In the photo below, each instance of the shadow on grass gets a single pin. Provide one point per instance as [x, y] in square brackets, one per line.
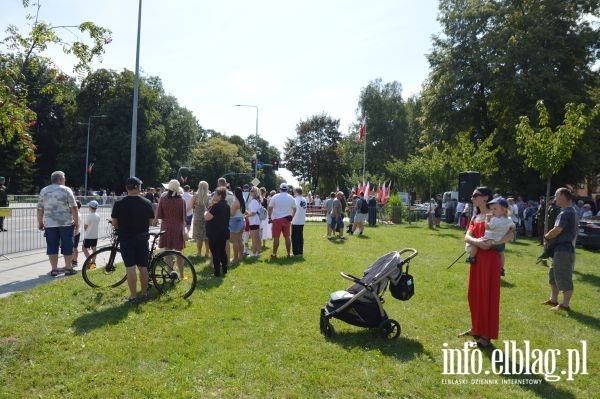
[590, 321]
[207, 279]
[109, 316]
[536, 383]
[506, 284]
[401, 348]
[285, 261]
[588, 278]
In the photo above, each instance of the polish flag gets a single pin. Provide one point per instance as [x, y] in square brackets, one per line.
[361, 132]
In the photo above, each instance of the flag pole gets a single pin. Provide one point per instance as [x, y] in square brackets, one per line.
[364, 150]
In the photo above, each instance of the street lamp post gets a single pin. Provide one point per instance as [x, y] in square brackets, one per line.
[87, 149]
[256, 132]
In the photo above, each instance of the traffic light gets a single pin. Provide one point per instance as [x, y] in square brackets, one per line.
[275, 164]
[253, 163]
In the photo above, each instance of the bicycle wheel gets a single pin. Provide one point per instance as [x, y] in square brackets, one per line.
[173, 273]
[104, 268]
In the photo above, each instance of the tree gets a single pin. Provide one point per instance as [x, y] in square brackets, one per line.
[21, 55]
[216, 158]
[546, 150]
[314, 154]
[495, 59]
[388, 134]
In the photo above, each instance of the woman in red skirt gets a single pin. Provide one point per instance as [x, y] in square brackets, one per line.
[484, 275]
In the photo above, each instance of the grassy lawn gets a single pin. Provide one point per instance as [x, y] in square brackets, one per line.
[255, 334]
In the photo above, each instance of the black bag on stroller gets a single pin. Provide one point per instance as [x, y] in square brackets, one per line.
[404, 288]
[362, 303]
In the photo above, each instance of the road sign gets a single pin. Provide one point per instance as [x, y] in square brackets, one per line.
[255, 182]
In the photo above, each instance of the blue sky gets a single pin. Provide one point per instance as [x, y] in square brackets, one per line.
[291, 59]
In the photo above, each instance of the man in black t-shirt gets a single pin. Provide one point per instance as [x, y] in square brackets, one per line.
[132, 216]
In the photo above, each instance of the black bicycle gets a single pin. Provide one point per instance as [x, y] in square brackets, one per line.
[170, 271]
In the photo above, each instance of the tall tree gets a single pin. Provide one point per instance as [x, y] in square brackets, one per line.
[314, 154]
[20, 56]
[388, 135]
[215, 158]
[495, 59]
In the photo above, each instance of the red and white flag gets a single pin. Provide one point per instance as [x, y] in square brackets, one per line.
[386, 193]
[361, 132]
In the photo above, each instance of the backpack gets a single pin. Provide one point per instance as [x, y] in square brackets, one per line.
[364, 206]
[262, 213]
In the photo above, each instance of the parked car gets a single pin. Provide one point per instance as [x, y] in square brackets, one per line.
[589, 234]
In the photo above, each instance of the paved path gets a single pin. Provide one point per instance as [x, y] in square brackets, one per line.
[24, 270]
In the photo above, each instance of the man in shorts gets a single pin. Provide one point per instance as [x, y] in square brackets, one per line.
[58, 217]
[561, 242]
[282, 209]
[131, 217]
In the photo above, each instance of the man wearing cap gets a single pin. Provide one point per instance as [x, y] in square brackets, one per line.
[282, 209]
[3, 201]
[90, 229]
[131, 217]
[57, 216]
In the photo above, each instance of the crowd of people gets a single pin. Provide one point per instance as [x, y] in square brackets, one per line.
[229, 226]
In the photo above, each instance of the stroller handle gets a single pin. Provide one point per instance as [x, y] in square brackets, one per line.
[413, 252]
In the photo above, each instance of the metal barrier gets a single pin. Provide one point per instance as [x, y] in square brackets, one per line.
[23, 235]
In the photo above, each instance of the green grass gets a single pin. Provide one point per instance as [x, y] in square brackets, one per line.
[254, 334]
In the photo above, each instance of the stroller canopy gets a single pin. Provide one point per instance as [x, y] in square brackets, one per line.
[379, 273]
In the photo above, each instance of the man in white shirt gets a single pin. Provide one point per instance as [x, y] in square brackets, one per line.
[298, 222]
[282, 209]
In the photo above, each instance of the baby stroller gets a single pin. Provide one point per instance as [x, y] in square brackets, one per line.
[362, 304]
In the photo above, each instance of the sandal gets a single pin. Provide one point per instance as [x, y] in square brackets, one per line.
[550, 302]
[464, 334]
[560, 307]
[70, 272]
[54, 272]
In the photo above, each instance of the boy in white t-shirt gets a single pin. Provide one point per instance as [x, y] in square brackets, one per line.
[90, 229]
[496, 226]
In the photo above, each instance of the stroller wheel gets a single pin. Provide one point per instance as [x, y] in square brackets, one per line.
[326, 327]
[389, 329]
[328, 330]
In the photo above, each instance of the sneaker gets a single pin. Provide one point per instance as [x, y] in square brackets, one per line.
[329, 237]
[342, 238]
[273, 255]
[131, 300]
[256, 255]
[502, 273]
